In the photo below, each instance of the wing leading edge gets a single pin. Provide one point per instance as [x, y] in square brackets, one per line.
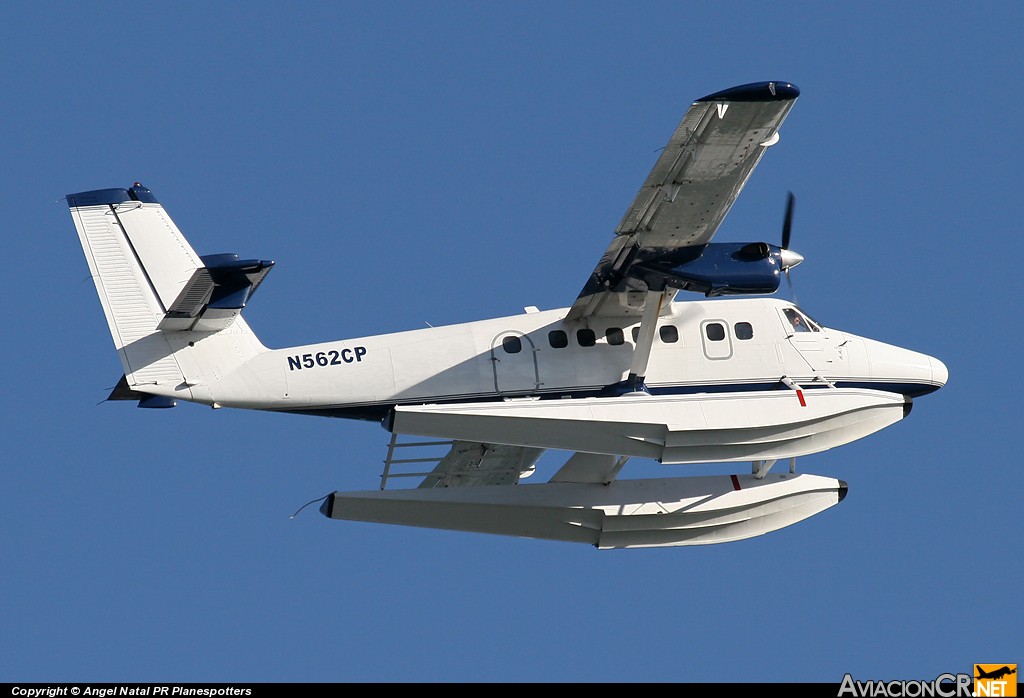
[688, 193]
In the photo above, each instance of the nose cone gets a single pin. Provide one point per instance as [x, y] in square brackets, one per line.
[940, 374]
[790, 259]
[896, 369]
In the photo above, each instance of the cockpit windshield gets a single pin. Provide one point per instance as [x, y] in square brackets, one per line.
[800, 322]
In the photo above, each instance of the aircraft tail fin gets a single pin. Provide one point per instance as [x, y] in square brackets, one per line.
[174, 316]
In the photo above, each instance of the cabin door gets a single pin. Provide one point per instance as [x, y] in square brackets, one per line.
[514, 358]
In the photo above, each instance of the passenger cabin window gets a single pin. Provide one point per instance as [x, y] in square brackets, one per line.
[586, 337]
[715, 340]
[512, 344]
[636, 334]
[669, 334]
[799, 322]
[614, 336]
[558, 339]
[715, 331]
[744, 330]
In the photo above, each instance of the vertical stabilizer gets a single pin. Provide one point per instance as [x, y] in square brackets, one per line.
[141, 265]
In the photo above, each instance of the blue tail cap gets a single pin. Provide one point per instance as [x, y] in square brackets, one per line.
[97, 197]
[111, 197]
[774, 91]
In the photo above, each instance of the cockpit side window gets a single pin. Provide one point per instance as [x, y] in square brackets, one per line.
[799, 322]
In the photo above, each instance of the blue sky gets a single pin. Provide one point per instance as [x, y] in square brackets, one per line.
[411, 163]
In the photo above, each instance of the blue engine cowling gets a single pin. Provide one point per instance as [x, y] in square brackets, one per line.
[715, 269]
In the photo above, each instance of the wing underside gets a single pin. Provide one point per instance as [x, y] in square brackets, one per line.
[690, 189]
[470, 464]
[458, 463]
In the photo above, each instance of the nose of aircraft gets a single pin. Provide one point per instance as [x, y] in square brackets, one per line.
[940, 374]
[909, 372]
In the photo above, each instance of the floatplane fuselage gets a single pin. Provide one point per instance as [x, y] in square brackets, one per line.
[628, 371]
[761, 356]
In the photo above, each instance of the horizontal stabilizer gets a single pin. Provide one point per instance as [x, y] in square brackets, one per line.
[122, 391]
[701, 428]
[624, 514]
[216, 293]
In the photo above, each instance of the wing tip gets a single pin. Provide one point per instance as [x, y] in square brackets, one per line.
[773, 91]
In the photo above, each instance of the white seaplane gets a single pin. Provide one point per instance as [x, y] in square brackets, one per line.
[628, 371]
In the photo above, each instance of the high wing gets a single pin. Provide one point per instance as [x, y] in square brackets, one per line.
[688, 193]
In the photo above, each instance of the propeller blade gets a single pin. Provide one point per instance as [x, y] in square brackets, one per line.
[788, 257]
[792, 292]
[787, 225]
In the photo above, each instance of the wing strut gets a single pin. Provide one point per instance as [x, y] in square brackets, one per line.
[760, 468]
[645, 341]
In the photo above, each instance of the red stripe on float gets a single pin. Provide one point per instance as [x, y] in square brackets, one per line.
[800, 394]
[735, 482]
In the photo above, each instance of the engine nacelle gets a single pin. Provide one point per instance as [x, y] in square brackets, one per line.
[717, 269]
